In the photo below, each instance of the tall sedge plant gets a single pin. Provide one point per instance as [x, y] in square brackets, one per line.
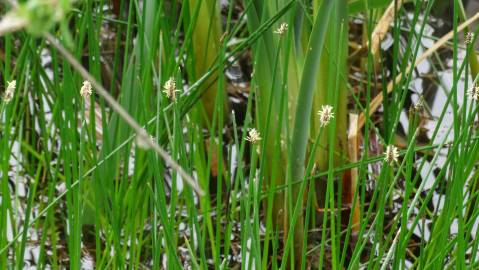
[332, 89]
[469, 40]
[269, 102]
[305, 96]
[301, 129]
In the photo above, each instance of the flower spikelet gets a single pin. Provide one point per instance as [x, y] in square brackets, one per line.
[325, 115]
[473, 93]
[281, 29]
[253, 136]
[10, 91]
[170, 89]
[469, 37]
[86, 90]
[391, 154]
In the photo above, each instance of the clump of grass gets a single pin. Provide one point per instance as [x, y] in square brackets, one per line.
[127, 136]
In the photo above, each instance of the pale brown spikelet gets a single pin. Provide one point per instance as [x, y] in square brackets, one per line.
[169, 88]
[86, 90]
[10, 91]
[253, 136]
[391, 154]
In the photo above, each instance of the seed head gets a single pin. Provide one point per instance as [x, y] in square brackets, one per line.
[468, 38]
[253, 136]
[473, 93]
[419, 106]
[170, 89]
[283, 27]
[8, 96]
[86, 90]
[391, 154]
[325, 115]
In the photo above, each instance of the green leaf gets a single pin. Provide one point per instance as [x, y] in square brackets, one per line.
[308, 84]
[302, 118]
